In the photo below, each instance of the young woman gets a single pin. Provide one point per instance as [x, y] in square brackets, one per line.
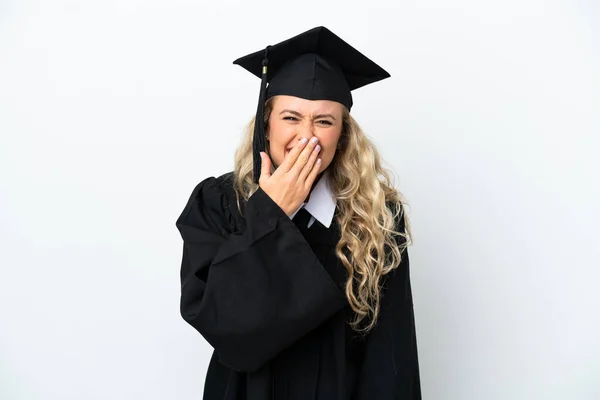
[294, 265]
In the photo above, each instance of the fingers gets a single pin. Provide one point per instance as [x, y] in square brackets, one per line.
[265, 166]
[311, 164]
[304, 157]
[313, 173]
[291, 158]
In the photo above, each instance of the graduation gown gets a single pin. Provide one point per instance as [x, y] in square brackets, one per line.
[269, 297]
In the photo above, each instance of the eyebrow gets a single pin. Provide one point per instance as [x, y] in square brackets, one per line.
[296, 113]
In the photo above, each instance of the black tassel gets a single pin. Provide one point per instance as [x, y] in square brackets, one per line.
[259, 142]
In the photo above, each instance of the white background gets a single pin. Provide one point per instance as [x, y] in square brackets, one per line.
[112, 111]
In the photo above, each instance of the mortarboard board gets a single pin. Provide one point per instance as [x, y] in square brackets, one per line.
[314, 65]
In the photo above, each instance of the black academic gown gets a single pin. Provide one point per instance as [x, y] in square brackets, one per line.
[268, 295]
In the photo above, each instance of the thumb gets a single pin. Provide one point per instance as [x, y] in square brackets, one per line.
[265, 170]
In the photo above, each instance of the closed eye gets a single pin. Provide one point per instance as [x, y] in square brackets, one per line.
[288, 118]
[325, 122]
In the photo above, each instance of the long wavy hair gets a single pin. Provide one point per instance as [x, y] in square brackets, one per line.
[369, 208]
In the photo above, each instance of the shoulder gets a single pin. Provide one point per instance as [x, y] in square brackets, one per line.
[213, 187]
[212, 198]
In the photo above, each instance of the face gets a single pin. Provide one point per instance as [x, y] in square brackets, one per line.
[293, 118]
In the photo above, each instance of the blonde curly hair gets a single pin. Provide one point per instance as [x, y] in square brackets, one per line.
[369, 207]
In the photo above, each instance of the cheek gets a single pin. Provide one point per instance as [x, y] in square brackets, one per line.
[329, 142]
[279, 133]
[279, 137]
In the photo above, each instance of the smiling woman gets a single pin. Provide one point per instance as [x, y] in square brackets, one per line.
[295, 266]
[293, 118]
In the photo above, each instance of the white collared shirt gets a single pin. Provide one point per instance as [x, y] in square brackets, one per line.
[321, 205]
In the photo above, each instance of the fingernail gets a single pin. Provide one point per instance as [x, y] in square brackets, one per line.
[304, 140]
[317, 148]
[314, 140]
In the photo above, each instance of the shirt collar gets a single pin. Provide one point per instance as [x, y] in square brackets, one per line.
[322, 203]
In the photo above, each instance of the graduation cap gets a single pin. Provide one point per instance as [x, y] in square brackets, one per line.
[314, 65]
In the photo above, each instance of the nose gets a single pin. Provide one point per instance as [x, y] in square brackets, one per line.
[305, 131]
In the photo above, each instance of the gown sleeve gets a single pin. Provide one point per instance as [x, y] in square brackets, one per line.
[390, 367]
[252, 293]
